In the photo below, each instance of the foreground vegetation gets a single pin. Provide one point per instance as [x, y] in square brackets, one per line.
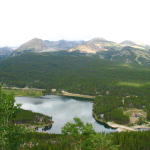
[118, 141]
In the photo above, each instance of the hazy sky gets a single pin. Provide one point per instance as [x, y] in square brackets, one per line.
[117, 20]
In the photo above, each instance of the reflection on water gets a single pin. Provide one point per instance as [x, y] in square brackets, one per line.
[62, 110]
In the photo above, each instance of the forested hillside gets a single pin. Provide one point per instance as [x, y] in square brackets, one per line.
[73, 72]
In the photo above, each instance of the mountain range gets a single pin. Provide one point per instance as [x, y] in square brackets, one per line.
[5, 52]
[126, 51]
[39, 45]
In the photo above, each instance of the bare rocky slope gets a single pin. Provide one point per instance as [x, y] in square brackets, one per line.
[127, 51]
[39, 45]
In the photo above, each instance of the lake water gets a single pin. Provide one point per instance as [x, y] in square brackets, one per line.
[62, 109]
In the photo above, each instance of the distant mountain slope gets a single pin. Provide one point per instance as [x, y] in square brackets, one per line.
[126, 52]
[33, 45]
[134, 45]
[39, 45]
[95, 45]
[5, 51]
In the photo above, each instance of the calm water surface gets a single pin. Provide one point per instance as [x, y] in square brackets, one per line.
[62, 110]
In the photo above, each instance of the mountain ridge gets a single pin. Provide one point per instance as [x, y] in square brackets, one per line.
[126, 51]
[5, 52]
[39, 45]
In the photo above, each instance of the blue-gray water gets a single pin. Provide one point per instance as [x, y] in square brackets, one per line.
[62, 109]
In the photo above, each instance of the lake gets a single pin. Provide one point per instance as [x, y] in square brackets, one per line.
[62, 109]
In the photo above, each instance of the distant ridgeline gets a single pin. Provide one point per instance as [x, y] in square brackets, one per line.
[125, 52]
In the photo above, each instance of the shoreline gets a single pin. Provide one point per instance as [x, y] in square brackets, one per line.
[26, 88]
[120, 127]
[62, 93]
[65, 93]
[113, 125]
